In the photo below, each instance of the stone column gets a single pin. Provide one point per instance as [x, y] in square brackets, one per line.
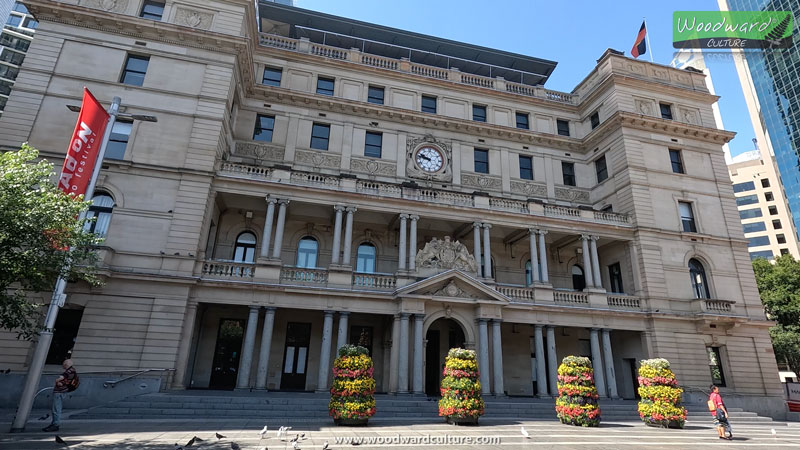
[487, 251]
[476, 246]
[552, 361]
[325, 352]
[587, 262]
[541, 366]
[402, 378]
[598, 282]
[402, 245]
[412, 244]
[483, 356]
[246, 361]
[337, 235]
[276, 251]
[543, 256]
[263, 353]
[497, 358]
[417, 384]
[394, 357]
[341, 337]
[266, 237]
[534, 258]
[348, 235]
[611, 377]
[597, 363]
[635, 274]
[182, 359]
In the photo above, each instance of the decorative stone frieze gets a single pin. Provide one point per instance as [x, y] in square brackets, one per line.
[446, 254]
[259, 151]
[115, 6]
[318, 159]
[572, 195]
[482, 181]
[193, 18]
[373, 166]
[528, 189]
[688, 115]
[452, 289]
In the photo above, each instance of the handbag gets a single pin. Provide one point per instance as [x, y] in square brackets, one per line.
[711, 405]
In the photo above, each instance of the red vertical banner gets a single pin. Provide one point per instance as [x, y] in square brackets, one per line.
[84, 146]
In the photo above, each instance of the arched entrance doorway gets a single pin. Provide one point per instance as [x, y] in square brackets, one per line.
[442, 335]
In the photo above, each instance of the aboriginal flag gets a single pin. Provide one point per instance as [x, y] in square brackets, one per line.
[640, 46]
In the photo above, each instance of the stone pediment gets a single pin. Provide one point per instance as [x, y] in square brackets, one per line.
[452, 285]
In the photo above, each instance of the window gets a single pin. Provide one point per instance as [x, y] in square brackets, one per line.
[479, 113]
[750, 213]
[608, 208]
[375, 95]
[307, 253]
[8, 72]
[568, 172]
[15, 58]
[578, 280]
[64, 335]
[687, 217]
[14, 42]
[780, 238]
[767, 254]
[746, 200]
[666, 111]
[14, 20]
[595, 119]
[135, 69]
[152, 10]
[759, 241]
[481, 160]
[563, 127]
[744, 187]
[118, 140]
[372, 144]
[272, 76]
[245, 248]
[784, 251]
[764, 182]
[528, 273]
[768, 196]
[19, 7]
[522, 121]
[525, 167]
[365, 258]
[601, 169]
[429, 104]
[753, 227]
[699, 282]
[31, 23]
[100, 211]
[325, 86]
[676, 161]
[776, 224]
[615, 276]
[320, 134]
[773, 210]
[263, 129]
[715, 365]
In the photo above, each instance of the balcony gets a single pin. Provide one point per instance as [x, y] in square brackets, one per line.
[714, 306]
[545, 295]
[228, 270]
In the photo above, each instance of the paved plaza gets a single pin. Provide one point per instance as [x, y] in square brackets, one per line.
[389, 433]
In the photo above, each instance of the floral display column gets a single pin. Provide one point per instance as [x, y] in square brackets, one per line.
[353, 391]
[577, 395]
[461, 401]
[660, 403]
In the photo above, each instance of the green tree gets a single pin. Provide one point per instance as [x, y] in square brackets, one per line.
[779, 286]
[37, 224]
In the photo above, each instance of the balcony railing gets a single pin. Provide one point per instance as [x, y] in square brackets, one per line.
[378, 281]
[228, 270]
[570, 297]
[314, 179]
[245, 171]
[450, 198]
[304, 275]
[375, 188]
[518, 293]
[716, 306]
[623, 301]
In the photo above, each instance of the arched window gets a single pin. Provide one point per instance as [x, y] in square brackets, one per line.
[245, 249]
[699, 282]
[578, 280]
[102, 205]
[307, 253]
[365, 258]
[528, 273]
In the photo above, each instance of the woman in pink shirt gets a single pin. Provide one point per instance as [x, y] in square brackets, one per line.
[720, 413]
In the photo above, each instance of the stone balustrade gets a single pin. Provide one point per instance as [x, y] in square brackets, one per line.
[245, 171]
[623, 301]
[717, 306]
[228, 270]
[519, 293]
[378, 281]
[303, 275]
[569, 297]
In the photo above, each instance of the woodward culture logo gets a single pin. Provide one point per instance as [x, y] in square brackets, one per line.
[732, 29]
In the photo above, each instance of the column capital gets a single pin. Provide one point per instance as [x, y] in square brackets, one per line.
[403, 216]
[538, 326]
[419, 317]
[283, 201]
[329, 313]
[404, 315]
[476, 224]
[191, 305]
[270, 199]
[338, 207]
[533, 231]
[413, 217]
[481, 320]
[596, 329]
[270, 309]
[549, 326]
[606, 330]
[255, 307]
[594, 237]
[344, 313]
[487, 225]
[541, 232]
[351, 209]
[585, 236]
[497, 321]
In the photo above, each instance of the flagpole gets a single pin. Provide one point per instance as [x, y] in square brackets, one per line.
[647, 36]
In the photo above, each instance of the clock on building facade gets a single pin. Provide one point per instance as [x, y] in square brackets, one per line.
[429, 159]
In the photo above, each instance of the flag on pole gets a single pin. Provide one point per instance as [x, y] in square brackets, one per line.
[83, 147]
[640, 46]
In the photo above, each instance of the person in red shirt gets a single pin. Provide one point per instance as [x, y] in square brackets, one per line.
[720, 413]
[60, 391]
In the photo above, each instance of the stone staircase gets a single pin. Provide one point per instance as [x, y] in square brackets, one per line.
[286, 407]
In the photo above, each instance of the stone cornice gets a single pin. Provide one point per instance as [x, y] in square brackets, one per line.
[624, 119]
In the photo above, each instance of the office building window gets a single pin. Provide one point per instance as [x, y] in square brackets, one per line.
[272, 76]
[100, 210]
[563, 127]
[746, 200]
[429, 104]
[773, 210]
[744, 187]
[152, 10]
[245, 248]
[615, 277]
[750, 213]
[687, 217]
[780, 238]
[479, 113]
[263, 128]
[525, 167]
[13, 20]
[375, 95]
[481, 160]
[754, 227]
[522, 121]
[666, 111]
[759, 241]
[30, 23]
[765, 182]
[325, 86]
[784, 251]
[320, 135]
[601, 169]
[768, 196]
[776, 224]
[762, 254]
[19, 7]
[568, 173]
[135, 69]
[372, 144]
[118, 141]
[715, 366]
[595, 119]
[676, 161]
[699, 281]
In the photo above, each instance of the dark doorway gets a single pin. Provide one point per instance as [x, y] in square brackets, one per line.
[436, 351]
[64, 335]
[295, 356]
[432, 370]
[225, 365]
[631, 363]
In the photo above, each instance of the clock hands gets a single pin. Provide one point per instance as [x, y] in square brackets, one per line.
[423, 157]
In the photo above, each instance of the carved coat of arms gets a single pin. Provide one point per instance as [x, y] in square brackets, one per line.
[446, 254]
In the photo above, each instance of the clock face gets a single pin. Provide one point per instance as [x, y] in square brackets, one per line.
[429, 159]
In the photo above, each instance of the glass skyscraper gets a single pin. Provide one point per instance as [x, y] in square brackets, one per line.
[775, 78]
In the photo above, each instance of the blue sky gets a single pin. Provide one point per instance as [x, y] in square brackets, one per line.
[575, 33]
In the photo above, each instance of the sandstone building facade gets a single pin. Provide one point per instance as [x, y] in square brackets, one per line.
[314, 181]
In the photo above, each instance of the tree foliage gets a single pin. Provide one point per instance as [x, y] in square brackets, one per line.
[779, 286]
[37, 224]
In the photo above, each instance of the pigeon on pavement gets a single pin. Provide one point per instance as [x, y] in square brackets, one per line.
[524, 432]
[219, 436]
[61, 441]
[263, 432]
[235, 446]
[191, 442]
[325, 446]
[295, 446]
